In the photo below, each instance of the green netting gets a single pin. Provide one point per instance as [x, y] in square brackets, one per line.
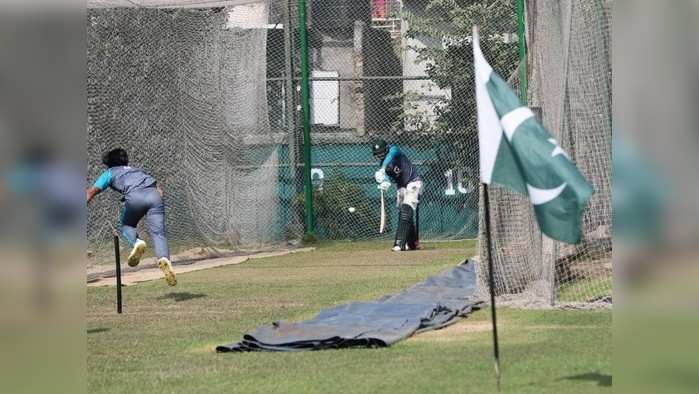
[207, 100]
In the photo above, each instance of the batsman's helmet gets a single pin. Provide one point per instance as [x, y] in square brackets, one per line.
[379, 148]
[115, 157]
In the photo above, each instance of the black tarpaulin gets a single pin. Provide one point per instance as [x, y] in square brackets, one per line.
[437, 302]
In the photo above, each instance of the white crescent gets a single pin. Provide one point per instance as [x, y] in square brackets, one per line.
[542, 196]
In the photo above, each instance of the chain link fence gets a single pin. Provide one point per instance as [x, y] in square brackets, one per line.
[400, 71]
[208, 100]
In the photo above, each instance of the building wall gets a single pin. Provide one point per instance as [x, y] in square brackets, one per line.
[355, 53]
[332, 54]
[361, 102]
[382, 104]
[421, 93]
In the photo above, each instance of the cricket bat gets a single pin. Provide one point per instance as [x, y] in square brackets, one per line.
[382, 226]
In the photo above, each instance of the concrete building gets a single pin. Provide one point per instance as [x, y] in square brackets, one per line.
[421, 95]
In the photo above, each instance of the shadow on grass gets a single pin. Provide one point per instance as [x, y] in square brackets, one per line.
[97, 330]
[181, 296]
[602, 380]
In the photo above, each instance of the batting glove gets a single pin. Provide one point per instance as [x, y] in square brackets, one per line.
[384, 185]
[380, 175]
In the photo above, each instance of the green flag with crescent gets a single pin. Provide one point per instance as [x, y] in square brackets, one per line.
[518, 153]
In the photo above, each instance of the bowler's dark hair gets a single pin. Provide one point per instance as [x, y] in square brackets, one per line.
[115, 157]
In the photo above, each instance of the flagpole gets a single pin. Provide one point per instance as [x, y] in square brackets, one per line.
[491, 284]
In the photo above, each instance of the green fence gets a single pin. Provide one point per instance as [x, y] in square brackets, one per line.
[209, 100]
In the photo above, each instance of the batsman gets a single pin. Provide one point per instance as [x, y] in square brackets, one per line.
[395, 166]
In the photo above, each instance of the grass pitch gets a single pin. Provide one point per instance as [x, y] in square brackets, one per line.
[164, 341]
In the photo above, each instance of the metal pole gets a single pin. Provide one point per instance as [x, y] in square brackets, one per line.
[290, 112]
[117, 257]
[417, 223]
[289, 84]
[491, 283]
[306, 110]
[522, 40]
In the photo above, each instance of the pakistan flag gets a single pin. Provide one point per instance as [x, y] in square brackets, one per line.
[518, 153]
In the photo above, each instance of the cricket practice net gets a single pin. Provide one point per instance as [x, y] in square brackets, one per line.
[186, 98]
[570, 89]
[207, 100]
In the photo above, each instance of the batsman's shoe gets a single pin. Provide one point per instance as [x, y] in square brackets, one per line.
[166, 267]
[405, 248]
[137, 252]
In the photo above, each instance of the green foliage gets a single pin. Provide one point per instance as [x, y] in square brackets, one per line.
[411, 117]
[570, 292]
[331, 203]
[309, 239]
[450, 65]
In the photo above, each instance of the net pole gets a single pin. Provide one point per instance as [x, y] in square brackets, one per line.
[117, 259]
[522, 43]
[491, 285]
[306, 110]
[290, 112]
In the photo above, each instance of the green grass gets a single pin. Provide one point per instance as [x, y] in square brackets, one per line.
[585, 289]
[164, 341]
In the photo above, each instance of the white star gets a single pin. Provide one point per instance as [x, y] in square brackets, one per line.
[557, 150]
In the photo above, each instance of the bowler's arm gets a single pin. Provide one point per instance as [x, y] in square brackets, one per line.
[102, 183]
[91, 192]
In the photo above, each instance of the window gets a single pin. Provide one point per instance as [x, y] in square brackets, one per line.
[326, 99]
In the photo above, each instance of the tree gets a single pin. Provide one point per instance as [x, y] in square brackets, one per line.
[450, 66]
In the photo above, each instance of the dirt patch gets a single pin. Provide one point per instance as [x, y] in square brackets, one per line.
[189, 256]
[458, 331]
[455, 332]
[151, 272]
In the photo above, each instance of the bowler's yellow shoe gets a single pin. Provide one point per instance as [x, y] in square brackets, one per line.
[137, 252]
[166, 267]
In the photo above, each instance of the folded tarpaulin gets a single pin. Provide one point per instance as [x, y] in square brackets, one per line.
[432, 304]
